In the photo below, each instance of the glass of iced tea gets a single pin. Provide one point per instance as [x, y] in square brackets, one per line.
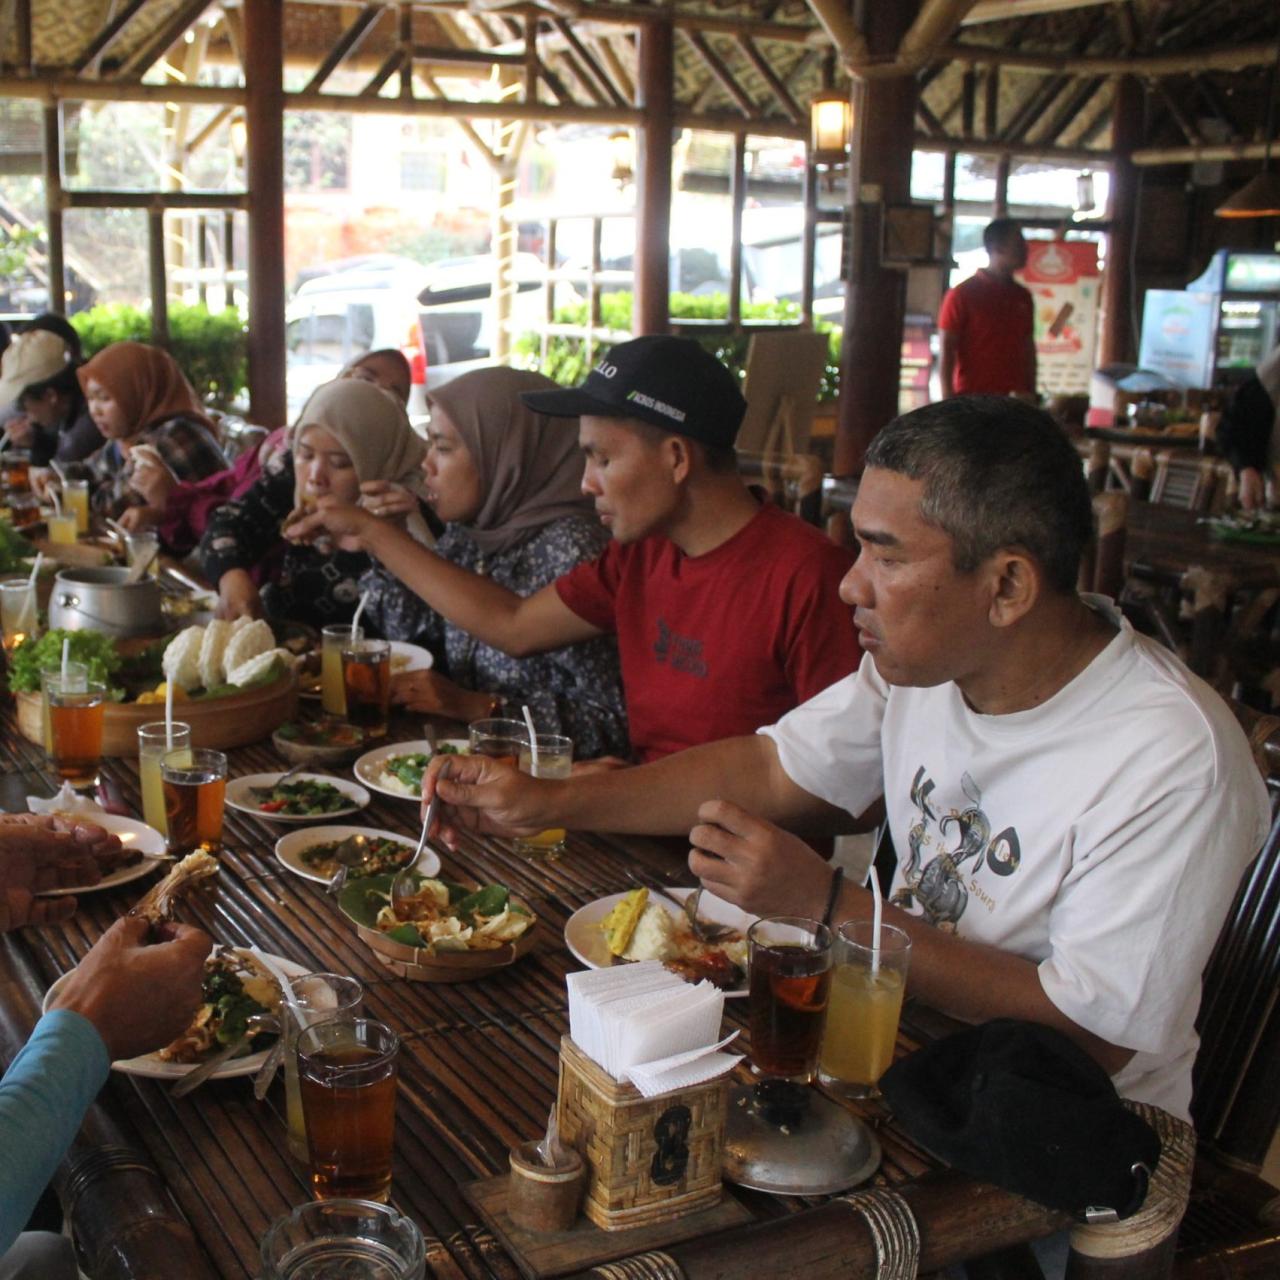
[76, 708]
[366, 684]
[319, 996]
[73, 670]
[24, 510]
[867, 985]
[555, 760]
[348, 1073]
[17, 610]
[194, 781]
[790, 975]
[498, 739]
[155, 741]
[15, 470]
[333, 639]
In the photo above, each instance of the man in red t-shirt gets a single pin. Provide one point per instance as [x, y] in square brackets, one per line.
[726, 609]
[987, 323]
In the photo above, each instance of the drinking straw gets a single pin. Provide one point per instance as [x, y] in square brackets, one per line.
[62, 475]
[877, 911]
[29, 604]
[66, 657]
[168, 714]
[533, 740]
[355, 621]
[57, 504]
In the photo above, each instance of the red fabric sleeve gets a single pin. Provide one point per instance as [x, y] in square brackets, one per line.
[822, 642]
[951, 316]
[590, 589]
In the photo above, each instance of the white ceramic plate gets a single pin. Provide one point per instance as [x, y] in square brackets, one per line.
[409, 657]
[369, 767]
[156, 1069]
[585, 938]
[240, 796]
[289, 849]
[133, 834]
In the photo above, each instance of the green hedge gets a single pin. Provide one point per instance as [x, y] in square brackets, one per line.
[566, 360]
[211, 349]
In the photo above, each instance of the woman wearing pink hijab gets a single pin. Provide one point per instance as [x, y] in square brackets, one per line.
[156, 431]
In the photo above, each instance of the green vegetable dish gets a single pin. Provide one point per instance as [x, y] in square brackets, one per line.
[236, 988]
[440, 916]
[16, 553]
[302, 799]
[380, 856]
[31, 657]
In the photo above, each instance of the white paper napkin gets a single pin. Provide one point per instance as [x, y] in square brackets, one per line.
[68, 800]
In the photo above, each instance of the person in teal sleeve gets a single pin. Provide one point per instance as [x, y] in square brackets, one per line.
[127, 996]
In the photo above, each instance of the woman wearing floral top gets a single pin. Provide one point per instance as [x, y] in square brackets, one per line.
[507, 483]
[157, 434]
[350, 433]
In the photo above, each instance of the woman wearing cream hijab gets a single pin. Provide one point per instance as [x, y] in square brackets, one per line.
[349, 433]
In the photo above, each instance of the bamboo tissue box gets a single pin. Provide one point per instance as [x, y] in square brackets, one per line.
[648, 1159]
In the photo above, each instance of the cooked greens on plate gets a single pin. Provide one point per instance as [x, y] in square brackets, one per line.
[304, 798]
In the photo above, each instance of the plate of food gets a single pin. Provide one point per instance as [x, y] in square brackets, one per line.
[409, 657]
[145, 845]
[443, 932]
[397, 770]
[304, 798]
[327, 741]
[318, 852]
[640, 925]
[237, 985]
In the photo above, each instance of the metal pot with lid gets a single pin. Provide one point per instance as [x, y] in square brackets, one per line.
[101, 600]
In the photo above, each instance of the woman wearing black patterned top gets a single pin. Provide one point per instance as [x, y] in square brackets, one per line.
[349, 433]
[507, 484]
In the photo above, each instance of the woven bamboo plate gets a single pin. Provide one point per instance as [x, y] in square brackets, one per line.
[233, 721]
[416, 963]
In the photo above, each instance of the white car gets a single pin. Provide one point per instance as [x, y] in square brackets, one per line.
[337, 317]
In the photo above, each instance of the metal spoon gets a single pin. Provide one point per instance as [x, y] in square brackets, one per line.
[352, 852]
[404, 886]
[253, 1026]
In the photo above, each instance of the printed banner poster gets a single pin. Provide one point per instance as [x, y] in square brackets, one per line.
[1064, 280]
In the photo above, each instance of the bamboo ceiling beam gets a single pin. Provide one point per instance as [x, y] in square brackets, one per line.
[1070, 108]
[1147, 156]
[586, 86]
[563, 113]
[934, 25]
[145, 56]
[1164, 64]
[351, 40]
[932, 124]
[107, 36]
[203, 135]
[1180, 117]
[155, 201]
[1022, 150]
[716, 65]
[56, 89]
[621, 76]
[770, 77]
[467, 128]
[589, 63]
[837, 21]
[22, 25]
[532, 68]
[384, 73]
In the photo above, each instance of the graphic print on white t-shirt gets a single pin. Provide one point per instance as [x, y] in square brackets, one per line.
[946, 850]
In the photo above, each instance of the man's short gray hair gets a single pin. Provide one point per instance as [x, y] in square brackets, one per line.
[996, 473]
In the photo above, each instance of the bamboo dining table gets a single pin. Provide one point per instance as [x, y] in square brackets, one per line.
[197, 1181]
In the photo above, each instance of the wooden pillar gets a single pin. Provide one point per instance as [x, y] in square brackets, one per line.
[264, 115]
[655, 93]
[810, 244]
[1117, 340]
[53, 206]
[158, 275]
[875, 296]
[738, 201]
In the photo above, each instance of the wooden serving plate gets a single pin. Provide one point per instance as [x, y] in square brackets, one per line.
[233, 721]
[448, 966]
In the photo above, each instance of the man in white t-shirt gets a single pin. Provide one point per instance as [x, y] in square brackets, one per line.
[1072, 808]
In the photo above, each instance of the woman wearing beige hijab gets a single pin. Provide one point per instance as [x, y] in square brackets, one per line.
[349, 433]
[506, 482]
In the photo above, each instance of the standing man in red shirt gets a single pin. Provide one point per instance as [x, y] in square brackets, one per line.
[726, 609]
[987, 323]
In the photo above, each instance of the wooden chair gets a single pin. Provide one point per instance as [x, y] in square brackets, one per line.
[1182, 481]
[1236, 1100]
[793, 481]
[1097, 465]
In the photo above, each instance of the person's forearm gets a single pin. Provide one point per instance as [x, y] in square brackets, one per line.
[662, 798]
[947, 375]
[473, 603]
[971, 981]
[42, 1101]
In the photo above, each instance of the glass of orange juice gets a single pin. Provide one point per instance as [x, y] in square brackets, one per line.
[75, 502]
[865, 1002]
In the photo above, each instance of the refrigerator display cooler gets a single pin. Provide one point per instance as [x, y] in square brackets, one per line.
[1212, 333]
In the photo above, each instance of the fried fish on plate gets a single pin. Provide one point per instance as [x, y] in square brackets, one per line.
[158, 905]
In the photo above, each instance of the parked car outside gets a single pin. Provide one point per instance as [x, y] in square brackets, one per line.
[338, 316]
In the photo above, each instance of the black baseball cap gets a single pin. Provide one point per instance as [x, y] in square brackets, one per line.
[669, 382]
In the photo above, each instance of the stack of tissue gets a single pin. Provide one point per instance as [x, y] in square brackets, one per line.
[646, 1025]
